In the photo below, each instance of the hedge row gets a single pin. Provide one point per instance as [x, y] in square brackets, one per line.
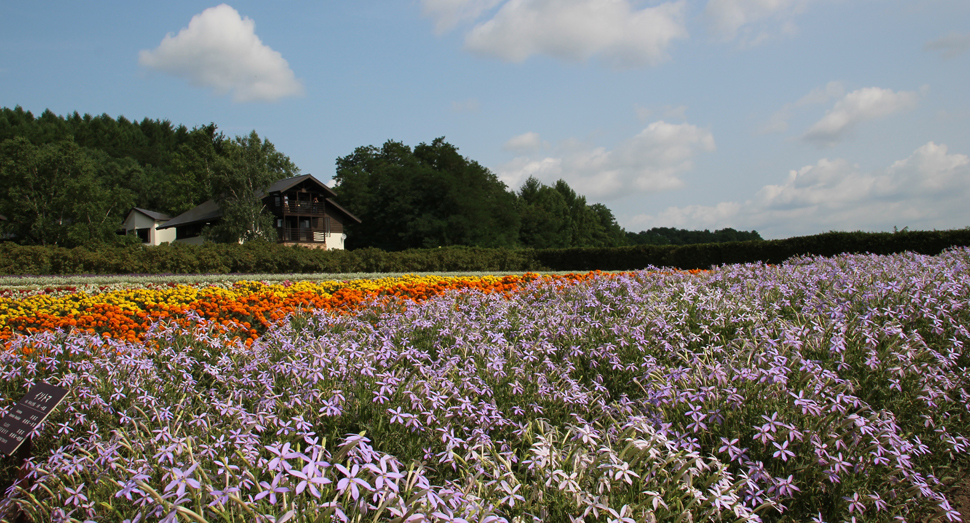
[252, 258]
[275, 259]
[704, 256]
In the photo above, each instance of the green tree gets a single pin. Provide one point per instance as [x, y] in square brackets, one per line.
[150, 164]
[431, 196]
[607, 232]
[545, 216]
[187, 181]
[244, 169]
[52, 195]
[558, 217]
[166, 167]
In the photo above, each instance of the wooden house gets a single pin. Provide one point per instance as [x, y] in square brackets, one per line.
[303, 210]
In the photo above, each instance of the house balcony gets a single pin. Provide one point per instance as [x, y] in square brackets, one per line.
[301, 234]
[304, 208]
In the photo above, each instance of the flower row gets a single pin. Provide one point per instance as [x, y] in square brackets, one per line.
[245, 309]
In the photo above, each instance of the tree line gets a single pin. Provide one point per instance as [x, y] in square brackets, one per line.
[70, 181]
[671, 236]
[431, 196]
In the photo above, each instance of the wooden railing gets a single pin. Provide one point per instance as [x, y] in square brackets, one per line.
[293, 234]
[302, 208]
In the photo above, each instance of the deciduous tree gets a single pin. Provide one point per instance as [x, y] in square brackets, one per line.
[244, 168]
[52, 195]
[429, 197]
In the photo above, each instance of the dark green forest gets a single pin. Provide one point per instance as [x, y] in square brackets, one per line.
[70, 181]
[431, 196]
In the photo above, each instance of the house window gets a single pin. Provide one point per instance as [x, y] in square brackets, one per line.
[143, 234]
[277, 200]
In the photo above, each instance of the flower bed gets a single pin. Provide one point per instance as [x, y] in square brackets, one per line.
[243, 308]
[821, 389]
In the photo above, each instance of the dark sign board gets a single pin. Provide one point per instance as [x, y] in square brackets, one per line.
[24, 416]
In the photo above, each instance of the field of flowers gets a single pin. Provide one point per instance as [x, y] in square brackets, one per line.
[241, 308]
[823, 389]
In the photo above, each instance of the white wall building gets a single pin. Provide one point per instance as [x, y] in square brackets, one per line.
[145, 224]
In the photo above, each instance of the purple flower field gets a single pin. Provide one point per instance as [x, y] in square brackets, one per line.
[824, 389]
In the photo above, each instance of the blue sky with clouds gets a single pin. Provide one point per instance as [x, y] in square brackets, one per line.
[786, 116]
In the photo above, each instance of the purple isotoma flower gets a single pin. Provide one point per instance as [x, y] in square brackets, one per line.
[782, 451]
[386, 472]
[224, 466]
[764, 434]
[731, 447]
[697, 416]
[222, 496]
[76, 498]
[182, 479]
[838, 464]
[280, 455]
[397, 415]
[879, 502]
[855, 503]
[950, 513]
[351, 482]
[309, 477]
[271, 490]
[447, 516]
[773, 422]
[786, 487]
[130, 486]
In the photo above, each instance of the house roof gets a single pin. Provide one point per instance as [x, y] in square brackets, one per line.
[341, 209]
[205, 212]
[160, 216]
[210, 210]
[287, 183]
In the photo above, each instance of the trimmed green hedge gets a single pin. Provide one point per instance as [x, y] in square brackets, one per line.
[253, 257]
[704, 256]
[257, 257]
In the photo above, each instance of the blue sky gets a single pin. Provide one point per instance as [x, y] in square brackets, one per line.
[789, 117]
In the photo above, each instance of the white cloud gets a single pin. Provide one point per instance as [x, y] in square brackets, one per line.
[856, 107]
[927, 190]
[219, 49]
[753, 21]
[951, 45]
[449, 13]
[651, 161]
[577, 30]
[778, 122]
[524, 143]
[689, 217]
